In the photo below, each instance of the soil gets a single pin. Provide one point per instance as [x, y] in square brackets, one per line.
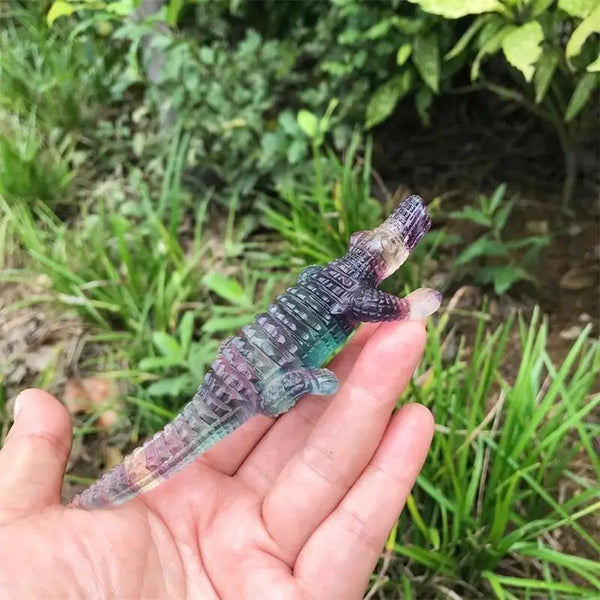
[477, 142]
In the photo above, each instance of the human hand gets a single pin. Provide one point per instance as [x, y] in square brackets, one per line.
[296, 508]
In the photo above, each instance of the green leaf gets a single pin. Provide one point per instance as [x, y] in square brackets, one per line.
[503, 277]
[349, 36]
[493, 36]
[186, 331]
[522, 47]
[122, 8]
[466, 37]
[539, 6]
[154, 363]
[201, 355]
[423, 101]
[385, 98]
[455, 9]
[166, 344]
[501, 216]
[379, 29]
[288, 123]
[426, 56]
[59, 8]
[410, 25]
[483, 246]
[226, 287]
[497, 197]
[309, 123]
[468, 213]
[594, 66]
[403, 53]
[326, 119]
[589, 25]
[543, 74]
[578, 8]
[173, 9]
[587, 84]
[296, 151]
[172, 386]
[229, 324]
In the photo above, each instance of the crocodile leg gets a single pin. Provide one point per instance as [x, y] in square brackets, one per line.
[282, 392]
[371, 305]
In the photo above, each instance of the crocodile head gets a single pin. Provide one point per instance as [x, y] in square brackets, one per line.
[389, 245]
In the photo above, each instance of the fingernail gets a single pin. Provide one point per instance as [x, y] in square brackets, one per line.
[17, 406]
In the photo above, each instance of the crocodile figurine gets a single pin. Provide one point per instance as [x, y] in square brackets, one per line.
[270, 364]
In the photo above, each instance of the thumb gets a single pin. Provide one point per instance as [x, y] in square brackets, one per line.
[34, 456]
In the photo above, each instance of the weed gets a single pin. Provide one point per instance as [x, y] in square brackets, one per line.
[33, 166]
[318, 219]
[485, 516]
[513, 258]
[42, 71]
[116, 271]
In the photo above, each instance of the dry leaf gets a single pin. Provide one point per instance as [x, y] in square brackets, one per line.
[537, 227]
[112, 457]
[570, 333]
[578, 279]
[91, 395]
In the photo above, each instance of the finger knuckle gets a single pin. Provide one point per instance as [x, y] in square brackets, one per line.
[359, 528]
[324, 463]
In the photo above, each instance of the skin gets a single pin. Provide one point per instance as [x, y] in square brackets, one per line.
[296, 508]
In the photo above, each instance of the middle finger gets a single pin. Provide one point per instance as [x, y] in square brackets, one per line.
[345, 438]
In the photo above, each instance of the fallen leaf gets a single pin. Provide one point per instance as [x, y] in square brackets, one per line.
[578, 278]
[112, 457]
[93, 395]
[570, 333]
[537, 227]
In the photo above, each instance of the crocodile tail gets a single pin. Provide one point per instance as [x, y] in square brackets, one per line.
[190, 434]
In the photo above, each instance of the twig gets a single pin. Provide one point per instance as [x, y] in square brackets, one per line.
[494, 411]
[486, 458]
[382, 578]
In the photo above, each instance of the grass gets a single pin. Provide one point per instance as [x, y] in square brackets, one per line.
[485, 516]
[146, 287]
[317, 220]
[44, 71]
[512, 472]
[118, 272]
[53, 93]
[33, 166]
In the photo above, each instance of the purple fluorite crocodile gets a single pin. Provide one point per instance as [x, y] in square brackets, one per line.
[269, 365]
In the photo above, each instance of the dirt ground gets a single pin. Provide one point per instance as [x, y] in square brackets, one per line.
[478, 142]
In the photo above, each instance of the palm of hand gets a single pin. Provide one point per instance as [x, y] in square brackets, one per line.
[295, 509]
